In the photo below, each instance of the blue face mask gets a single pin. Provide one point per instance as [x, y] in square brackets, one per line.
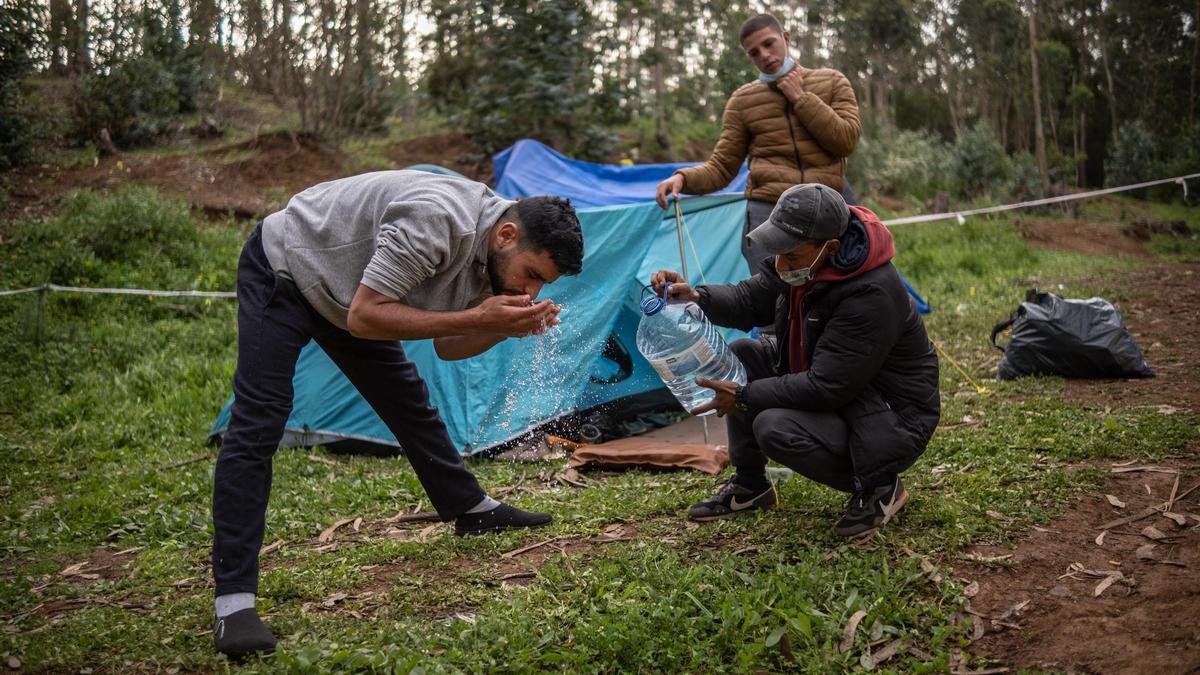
[788, 64]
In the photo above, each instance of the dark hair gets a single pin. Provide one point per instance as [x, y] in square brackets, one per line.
[756, 23]
[550, 224]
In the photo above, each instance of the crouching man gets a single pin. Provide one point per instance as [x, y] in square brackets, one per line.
[847, 395]
[357, 265]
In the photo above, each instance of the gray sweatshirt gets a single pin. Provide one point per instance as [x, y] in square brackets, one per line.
[413, 236]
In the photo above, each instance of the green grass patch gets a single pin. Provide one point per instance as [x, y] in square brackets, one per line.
[103, 400]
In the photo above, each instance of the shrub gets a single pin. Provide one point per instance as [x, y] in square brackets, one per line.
[979, 165]
[18, 38]
[912, 165]
[137, 97]
[1182, 158]
[1026, 181]
[1132, 156]
[132, 235]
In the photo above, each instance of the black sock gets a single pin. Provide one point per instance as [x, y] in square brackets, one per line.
[756, 482]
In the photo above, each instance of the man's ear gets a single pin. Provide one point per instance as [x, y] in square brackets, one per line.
[834, 244]
[507, 234]
[787, 38]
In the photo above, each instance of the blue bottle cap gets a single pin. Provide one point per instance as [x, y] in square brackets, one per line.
[652, 305]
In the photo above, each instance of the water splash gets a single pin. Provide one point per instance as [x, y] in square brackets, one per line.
[536, 388]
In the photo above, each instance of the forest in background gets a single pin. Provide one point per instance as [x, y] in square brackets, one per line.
[973, 97]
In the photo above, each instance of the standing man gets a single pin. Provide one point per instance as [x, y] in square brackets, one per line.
[359, 264]
[848, 396]
[797, 125]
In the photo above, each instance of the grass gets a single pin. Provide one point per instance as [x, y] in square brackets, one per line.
[102, 419]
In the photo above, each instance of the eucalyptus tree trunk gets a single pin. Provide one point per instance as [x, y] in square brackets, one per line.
[1039, 136]
[660, 87]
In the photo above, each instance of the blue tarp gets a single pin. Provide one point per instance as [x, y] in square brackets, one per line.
[530, 168]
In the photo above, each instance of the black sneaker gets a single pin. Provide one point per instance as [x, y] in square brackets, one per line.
[242, 634]
[731, 499]
[869, 509]
[503, 517]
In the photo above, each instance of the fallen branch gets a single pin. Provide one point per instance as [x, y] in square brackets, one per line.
[189, 460]
[1174, 490]
[1149, 511]
[518, 575]
[421, 517]
[1149, 469]
[516, 552]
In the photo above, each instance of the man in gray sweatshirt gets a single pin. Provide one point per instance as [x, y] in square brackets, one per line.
[357, 265]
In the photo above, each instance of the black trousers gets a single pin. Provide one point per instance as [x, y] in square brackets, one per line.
[813, 444]
[274, 323]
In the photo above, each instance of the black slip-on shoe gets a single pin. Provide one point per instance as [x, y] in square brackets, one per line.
[732, 499]
[503, 517]
[242, 634]
[869, 509]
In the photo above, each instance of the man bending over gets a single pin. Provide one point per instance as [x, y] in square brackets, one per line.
[359, 264]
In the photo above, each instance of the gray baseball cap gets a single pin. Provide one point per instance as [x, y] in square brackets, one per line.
[807, 212]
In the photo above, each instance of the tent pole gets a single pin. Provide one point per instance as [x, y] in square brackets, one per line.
[679, 234]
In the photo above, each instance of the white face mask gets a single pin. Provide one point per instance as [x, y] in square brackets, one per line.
[802, 276]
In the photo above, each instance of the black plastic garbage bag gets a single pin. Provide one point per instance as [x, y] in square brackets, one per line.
[1071, 338]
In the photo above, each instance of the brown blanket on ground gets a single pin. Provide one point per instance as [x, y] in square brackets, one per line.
[631, 452]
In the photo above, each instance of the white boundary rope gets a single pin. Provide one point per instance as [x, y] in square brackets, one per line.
[959, 215]
[121, 291]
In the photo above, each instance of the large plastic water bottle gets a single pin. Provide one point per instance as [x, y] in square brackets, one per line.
[680, 342]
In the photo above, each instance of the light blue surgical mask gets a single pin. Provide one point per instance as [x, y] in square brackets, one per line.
[802, 276]
[788, 64]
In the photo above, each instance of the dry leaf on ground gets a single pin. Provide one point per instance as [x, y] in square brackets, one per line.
[327, 533]
[1105, 583]
[1115, 502]
[1176, 517]
[1100, 538]
[1151, 532]
[848, 634]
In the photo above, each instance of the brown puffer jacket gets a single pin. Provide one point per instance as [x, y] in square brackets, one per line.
[824, 131]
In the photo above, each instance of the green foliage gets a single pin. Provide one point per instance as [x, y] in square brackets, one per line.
[902, 164]
[18, 39]
[979, 164]
[1181, 158]
[137, 96]
[1026, 181]
[1132, 158]
[130, 237]
[532, 77]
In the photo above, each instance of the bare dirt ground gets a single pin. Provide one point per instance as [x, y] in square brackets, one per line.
[248, 179]
[1042, 605]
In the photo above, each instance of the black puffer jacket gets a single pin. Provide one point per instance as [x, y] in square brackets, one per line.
[871, 359]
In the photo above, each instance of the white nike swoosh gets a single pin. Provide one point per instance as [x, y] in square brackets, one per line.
[735, 505]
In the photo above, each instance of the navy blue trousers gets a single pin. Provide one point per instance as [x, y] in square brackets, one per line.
[274, 323]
